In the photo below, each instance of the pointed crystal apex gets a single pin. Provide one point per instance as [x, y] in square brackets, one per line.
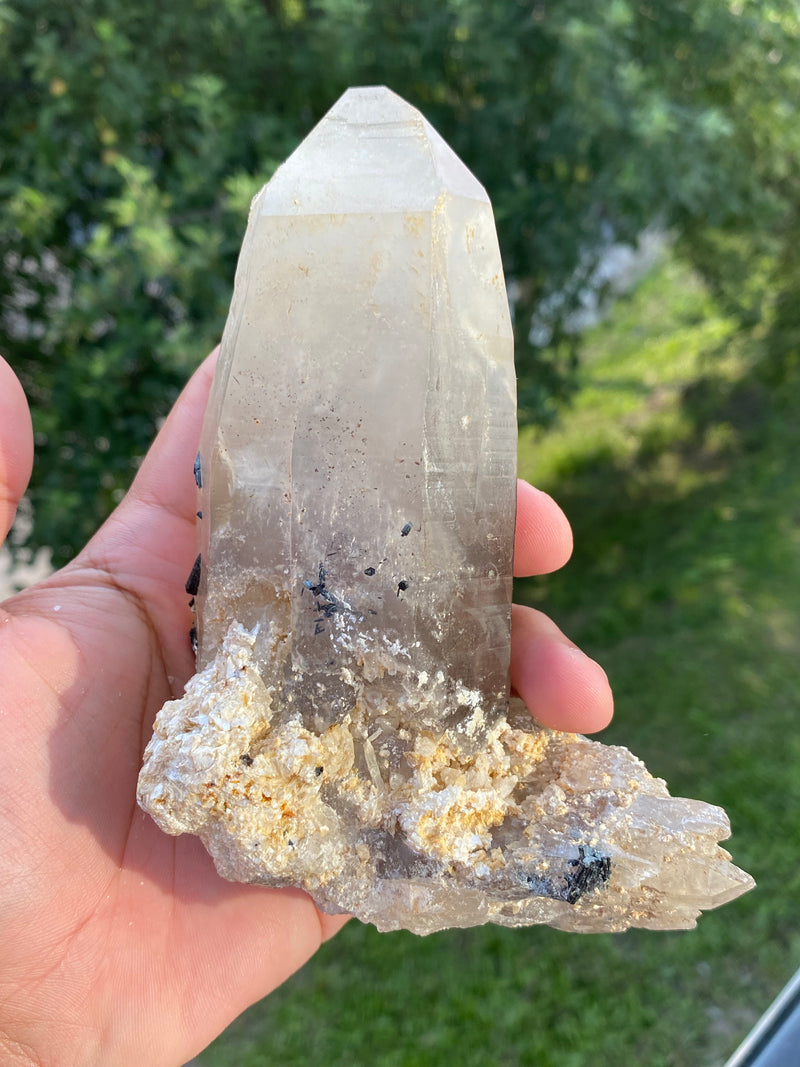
[374, 106]
[372, 152]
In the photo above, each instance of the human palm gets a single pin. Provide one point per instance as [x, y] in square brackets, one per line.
[119, 944]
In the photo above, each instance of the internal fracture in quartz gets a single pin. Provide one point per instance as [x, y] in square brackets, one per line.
[349, 729]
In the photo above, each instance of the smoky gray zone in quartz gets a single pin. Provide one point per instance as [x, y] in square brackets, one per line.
[348, 730]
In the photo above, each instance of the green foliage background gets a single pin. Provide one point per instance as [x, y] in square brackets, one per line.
[132, 138]
[133, 135]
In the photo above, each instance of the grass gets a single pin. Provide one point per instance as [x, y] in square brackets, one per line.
[679, 475]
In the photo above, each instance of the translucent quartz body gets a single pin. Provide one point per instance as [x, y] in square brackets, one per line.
[363, 417]
[348, 730]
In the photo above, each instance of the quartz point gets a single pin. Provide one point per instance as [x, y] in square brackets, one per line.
[349, 729]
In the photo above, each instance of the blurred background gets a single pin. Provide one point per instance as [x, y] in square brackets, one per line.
[643, 158]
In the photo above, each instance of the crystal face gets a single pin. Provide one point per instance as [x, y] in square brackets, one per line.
[348, 730]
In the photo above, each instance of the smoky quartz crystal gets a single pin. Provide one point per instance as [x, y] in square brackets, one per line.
[349, 729]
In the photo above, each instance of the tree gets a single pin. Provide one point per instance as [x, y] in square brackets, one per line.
[134, 135]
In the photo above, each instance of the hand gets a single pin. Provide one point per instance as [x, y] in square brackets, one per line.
[121, 945]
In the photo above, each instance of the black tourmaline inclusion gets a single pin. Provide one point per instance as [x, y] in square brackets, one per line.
[588, 871]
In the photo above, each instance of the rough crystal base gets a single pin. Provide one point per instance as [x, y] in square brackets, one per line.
[535, 826]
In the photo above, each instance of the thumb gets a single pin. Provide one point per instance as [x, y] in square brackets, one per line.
[16, 446]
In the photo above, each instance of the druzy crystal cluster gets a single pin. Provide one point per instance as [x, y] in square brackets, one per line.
[349, 730]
